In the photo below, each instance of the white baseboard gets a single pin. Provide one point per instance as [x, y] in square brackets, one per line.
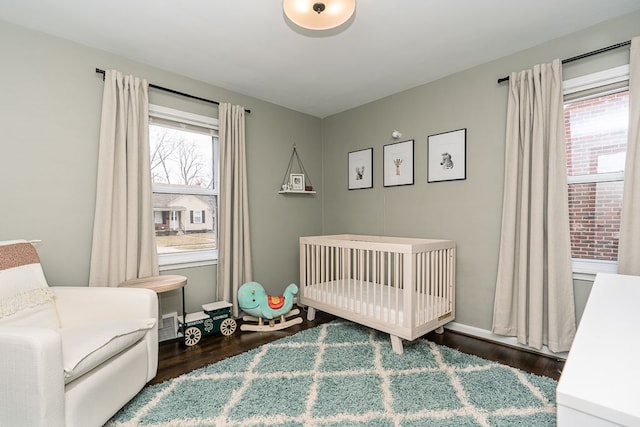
[510, 341]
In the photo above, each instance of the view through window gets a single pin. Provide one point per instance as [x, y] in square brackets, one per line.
[596, 136]
[185, 196]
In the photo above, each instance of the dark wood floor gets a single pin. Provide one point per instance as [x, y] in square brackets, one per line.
[175, 359]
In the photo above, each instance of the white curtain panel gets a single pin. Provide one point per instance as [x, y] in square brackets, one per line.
[629, 243]
[124, 244]
[234, 239]
[534, 290]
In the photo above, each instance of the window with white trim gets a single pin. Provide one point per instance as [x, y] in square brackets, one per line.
[184, 169]
[596, 115]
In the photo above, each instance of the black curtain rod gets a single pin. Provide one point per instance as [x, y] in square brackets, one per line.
[584, 55]
[175, 92]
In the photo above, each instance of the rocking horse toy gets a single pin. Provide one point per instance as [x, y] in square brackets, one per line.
[254, 301]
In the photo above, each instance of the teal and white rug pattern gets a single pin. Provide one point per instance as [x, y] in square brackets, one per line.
[343, 374]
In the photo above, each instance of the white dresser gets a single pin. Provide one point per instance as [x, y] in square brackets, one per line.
[600, 382]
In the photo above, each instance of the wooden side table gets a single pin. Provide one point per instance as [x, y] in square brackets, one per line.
[160, 284]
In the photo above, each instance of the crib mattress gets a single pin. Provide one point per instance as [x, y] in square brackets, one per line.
[376, 301]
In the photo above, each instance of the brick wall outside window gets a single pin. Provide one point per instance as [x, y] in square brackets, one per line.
[596, 136]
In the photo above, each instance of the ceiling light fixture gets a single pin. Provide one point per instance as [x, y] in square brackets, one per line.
[318, 15]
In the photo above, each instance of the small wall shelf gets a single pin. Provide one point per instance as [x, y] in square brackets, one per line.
[295, 192]
[296, 180]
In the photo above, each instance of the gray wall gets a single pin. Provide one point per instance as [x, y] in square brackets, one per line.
[468, 211]
[50, 102]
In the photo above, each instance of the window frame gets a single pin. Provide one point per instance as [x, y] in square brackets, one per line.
[611, 81]
[198, 258]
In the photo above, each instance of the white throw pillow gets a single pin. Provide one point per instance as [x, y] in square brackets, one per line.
[85, 347]
[25, 297]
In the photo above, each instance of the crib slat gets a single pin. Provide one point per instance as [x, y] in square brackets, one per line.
[420, 287]
[395, 286]
[367, 266]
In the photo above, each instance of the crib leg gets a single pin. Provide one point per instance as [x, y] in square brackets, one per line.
[396, 344]
[440, 330]
[311, 313]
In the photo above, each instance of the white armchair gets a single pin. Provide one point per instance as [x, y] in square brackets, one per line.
[69, 356]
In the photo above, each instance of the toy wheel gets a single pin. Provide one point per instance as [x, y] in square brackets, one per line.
[192, 336]
[228, 326]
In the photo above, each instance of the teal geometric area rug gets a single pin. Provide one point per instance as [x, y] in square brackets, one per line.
[343, 374]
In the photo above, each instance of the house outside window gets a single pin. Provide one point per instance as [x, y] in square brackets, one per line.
[596, 117]
[184, 170]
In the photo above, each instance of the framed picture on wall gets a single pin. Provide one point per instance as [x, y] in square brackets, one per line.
[397, 163]
[447, 156]
[361, 169]
[297, 181]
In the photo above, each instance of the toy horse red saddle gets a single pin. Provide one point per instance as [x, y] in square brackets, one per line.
[275, 302]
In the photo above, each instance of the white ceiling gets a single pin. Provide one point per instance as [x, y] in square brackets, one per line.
[249, 47]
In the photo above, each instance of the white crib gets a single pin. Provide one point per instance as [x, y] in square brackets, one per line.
[402, 286]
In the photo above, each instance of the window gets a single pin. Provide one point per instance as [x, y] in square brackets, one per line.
[184, 165]
[197, 217]
[596, 123]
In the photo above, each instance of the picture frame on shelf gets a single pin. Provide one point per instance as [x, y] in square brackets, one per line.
[296, 180]
[360, 169]
[398, 163]
[447, 156]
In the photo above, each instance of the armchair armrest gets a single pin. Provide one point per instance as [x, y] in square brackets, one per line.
[80, 305]
[32, 375]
